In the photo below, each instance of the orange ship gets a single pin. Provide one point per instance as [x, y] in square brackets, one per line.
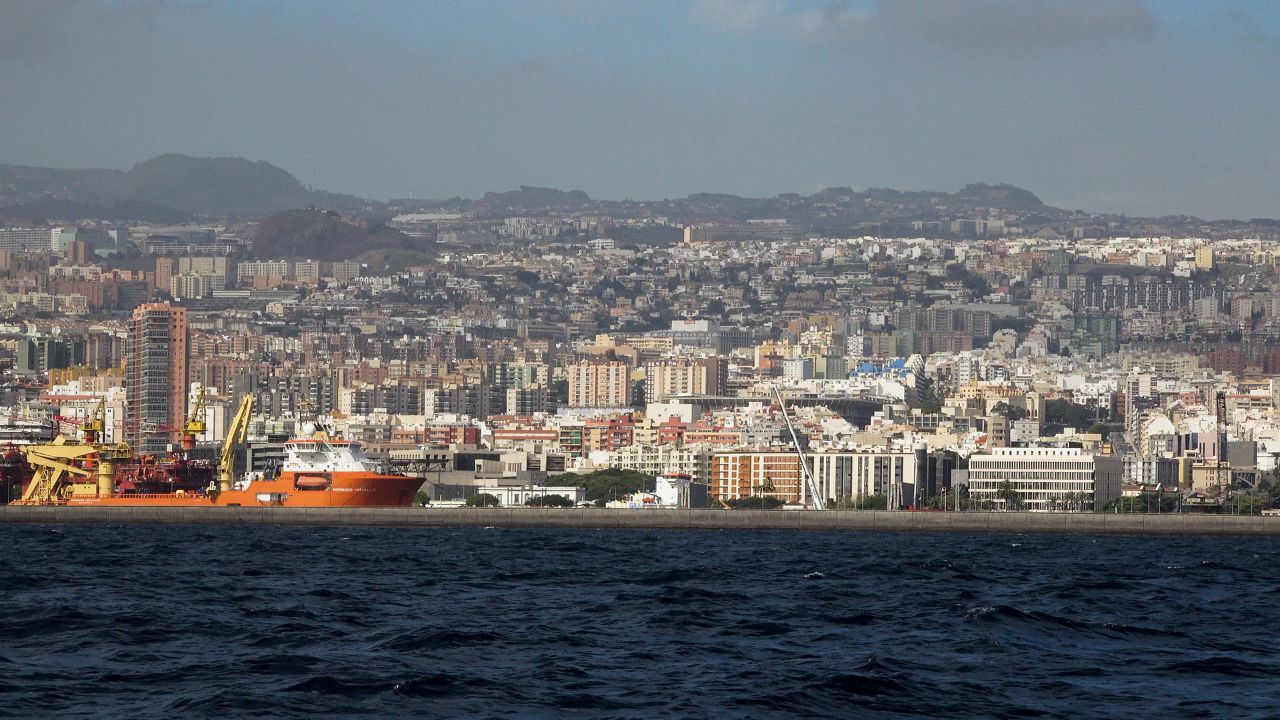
[318, 471]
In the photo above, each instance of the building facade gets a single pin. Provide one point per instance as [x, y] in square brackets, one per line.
[157, 362]
[1045, 478]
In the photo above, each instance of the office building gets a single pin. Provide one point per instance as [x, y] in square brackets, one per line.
[1045, 478]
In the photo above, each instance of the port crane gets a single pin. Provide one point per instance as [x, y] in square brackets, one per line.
[237, 434]
[58, 464]
[810, 482]
[92, 427]
[192, 427]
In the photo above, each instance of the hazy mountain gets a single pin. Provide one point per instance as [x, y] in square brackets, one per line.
[223, 187]
[1005, 197]
[529, 197]
[163, 187]
[173, 188]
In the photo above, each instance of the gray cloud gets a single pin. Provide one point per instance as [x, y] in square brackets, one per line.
[987, 27]
[36, 29]
[30, 29]
[1000, 26]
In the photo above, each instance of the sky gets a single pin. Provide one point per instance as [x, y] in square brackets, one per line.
[1143, 107]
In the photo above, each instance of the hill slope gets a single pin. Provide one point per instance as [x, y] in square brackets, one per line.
[162, 188]
[222, 187]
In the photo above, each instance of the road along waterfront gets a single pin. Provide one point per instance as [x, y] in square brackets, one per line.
[861, 520]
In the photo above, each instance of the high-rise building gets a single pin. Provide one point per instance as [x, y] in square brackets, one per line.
[603, 385]
[158, 354]
[685, 376]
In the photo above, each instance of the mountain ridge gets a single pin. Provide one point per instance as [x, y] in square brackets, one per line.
[176, 188]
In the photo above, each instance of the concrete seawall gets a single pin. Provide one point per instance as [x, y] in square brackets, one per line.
[962, 522]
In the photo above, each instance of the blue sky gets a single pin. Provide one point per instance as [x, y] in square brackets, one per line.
[1113, 105]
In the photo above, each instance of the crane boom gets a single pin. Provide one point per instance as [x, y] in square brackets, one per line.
[810, 482]
[237, 433]
[53, 465]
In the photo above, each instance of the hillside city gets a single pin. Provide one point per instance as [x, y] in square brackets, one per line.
[532, 348]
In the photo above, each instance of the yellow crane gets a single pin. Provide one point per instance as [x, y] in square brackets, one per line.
[195, 423]
[96, 427]
[237, 434]
[54, 465]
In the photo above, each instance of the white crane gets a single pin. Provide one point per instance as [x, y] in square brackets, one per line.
[810, 482]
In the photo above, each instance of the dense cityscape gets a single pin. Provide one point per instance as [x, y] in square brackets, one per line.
[847, 350]
[679, 359]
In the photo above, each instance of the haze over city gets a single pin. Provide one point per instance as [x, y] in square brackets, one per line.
[1134, 107]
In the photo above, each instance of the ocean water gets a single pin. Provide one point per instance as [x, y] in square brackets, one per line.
[171, 621]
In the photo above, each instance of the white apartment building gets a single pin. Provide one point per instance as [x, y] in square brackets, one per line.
[1044, 477]
[694, 460]
[850, 474]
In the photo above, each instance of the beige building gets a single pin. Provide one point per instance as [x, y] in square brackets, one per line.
[599, 384]
[685, 376]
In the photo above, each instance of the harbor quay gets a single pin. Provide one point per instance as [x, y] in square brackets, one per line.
[864, 521]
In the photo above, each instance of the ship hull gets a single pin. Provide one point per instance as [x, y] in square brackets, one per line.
[290, 489]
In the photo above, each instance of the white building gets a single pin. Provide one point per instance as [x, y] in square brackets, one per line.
[851, 474]
[797, 370]
[693, 459]
[1044, 477]
[518, 495]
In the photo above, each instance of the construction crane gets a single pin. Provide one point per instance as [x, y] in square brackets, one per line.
[1223, 467]
[810, 482]
[195, 423]
[237, 433]
[92, 427]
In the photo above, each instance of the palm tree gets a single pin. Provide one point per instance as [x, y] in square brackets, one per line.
[1010, 496]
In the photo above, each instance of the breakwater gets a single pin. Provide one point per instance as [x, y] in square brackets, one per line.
[962, 522]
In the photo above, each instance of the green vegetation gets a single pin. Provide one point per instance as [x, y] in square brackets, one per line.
[976, 284]
[1073, 502]
[608, 484]
[483, 500]
[756, 502]
[1069, 414]
[421, 498]
[1146, 503]
[1008, 411]
[549, 501]
[927, 396]
[864, 502]
[1012, 500]
[948, 501]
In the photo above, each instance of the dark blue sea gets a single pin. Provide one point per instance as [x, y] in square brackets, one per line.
[234, 621]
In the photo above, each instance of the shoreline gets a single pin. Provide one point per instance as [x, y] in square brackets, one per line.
[847, 520]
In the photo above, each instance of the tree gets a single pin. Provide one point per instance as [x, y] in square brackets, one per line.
[1012, 500]
[483, 500]
[876, 501]
[1008, 411]
[421, 498]
[927, 396]
[756, 502]
[1069, 414]
[552, 501]
[608, 484]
